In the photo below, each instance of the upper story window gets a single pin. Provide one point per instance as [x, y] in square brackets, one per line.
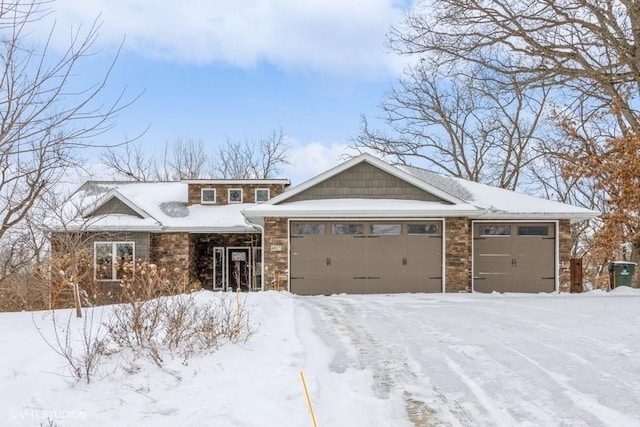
[208, 196]
[112, 260]
[235, 195]
[262, 195]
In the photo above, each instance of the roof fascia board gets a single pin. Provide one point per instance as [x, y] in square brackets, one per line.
[571, 216]
[467, 213]
[237, 181]
[367, 213]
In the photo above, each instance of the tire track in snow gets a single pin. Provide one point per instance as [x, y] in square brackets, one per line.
[606, 414]
[490, 391]
[495, 409]
[392, 369]
[621, 349]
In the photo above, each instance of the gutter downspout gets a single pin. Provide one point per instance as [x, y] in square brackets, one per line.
[261, 228]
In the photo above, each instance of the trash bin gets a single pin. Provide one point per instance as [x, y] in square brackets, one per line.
[621, 273]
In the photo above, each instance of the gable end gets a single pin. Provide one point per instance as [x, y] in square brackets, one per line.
[365, 181]
[114, 206]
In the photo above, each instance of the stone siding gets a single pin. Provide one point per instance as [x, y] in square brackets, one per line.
[171, 251]
[276, 261]
[564, 246]
[222, 194]
[458, 255]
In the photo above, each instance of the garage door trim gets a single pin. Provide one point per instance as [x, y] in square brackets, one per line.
[348, 219]
[556, 258]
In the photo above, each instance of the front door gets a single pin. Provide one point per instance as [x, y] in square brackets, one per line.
[238, 268]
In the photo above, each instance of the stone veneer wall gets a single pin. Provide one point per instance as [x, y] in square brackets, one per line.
[222, 194]
[171, 251]
[458, 255]
[276, 262]
[564, 246]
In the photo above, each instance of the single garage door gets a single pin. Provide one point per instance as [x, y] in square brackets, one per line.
[330, 257]
[514, 257]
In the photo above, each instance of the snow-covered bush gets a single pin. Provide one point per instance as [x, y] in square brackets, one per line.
[178, 326]
[161, 316]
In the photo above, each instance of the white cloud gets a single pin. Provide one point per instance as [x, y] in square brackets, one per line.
[328, 35]
[311, 159]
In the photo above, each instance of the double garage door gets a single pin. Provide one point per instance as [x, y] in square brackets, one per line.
[514, 257]
[330, 257]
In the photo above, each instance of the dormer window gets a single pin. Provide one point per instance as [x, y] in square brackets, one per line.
[235, 195]
[262, 195]
[208, 196]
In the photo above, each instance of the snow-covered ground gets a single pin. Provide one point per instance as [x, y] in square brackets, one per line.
[370, 360]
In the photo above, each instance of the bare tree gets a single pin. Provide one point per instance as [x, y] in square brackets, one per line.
[586, 49]
[483, 128]
[130, 162]
[181, 158]
[44, 117]
[251, 159]
[187, 158]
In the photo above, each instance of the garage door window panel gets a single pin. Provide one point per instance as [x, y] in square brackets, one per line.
[347, 229]
[309, 229]
[533, 230]
[495, 230]
[385, 229]
[428, 229]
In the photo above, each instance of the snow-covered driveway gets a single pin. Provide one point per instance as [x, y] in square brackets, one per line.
[484, 359]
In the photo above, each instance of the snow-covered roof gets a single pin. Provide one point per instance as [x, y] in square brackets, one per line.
[162, 206]
[157, 206]
[465, 198]
[499, 203]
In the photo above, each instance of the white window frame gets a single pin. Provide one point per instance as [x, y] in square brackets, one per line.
[114, 276]
[255, 195]
[219, 253]
[215, 196]
[229, 195]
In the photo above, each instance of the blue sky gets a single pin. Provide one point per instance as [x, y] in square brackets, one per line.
[212, 69]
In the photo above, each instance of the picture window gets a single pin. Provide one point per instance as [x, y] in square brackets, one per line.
[113, 260]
